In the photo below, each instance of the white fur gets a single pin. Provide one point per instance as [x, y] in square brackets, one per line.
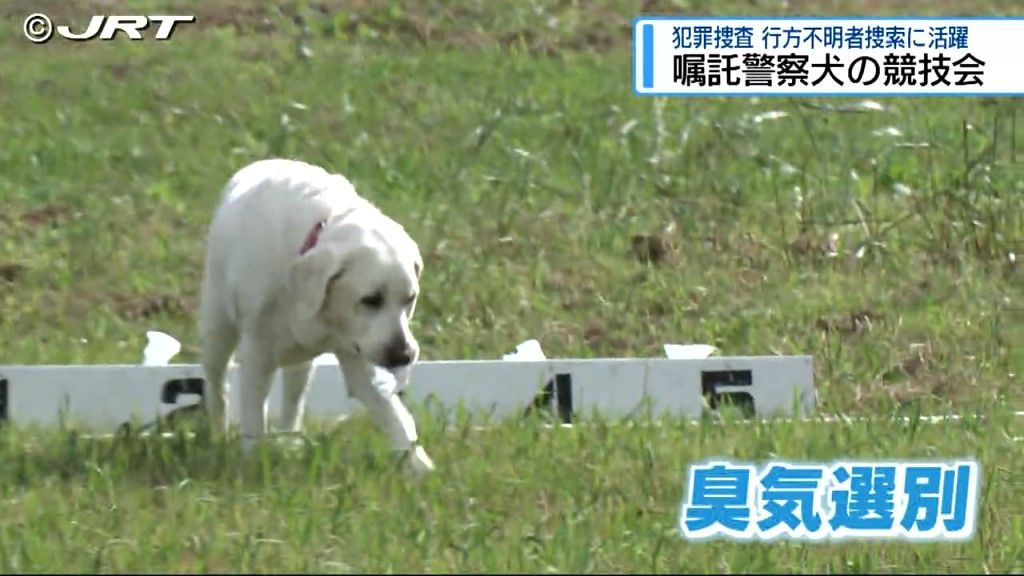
[273, 308]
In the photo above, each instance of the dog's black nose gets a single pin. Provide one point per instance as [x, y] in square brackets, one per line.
[397, 356]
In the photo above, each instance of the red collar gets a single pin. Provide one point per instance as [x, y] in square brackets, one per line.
[312, 237]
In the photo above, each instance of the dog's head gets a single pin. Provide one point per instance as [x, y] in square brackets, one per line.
[356, 290]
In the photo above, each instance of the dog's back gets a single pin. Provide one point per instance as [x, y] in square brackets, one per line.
[281, 184]
[265, 211]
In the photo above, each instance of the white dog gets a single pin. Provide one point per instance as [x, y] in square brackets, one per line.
[298, 264]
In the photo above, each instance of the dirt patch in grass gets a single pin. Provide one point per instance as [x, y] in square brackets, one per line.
[146, 306]
[10, 272]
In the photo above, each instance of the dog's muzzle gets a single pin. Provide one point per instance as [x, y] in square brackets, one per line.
[397, 355]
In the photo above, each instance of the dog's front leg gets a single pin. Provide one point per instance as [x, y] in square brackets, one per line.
[255, 376]
[388, 411]
[295, 380]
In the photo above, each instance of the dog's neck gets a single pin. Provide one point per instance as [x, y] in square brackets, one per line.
[309, 339]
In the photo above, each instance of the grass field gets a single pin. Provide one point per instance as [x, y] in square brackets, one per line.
[549, 202]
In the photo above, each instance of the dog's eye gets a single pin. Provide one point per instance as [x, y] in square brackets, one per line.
[373, 300]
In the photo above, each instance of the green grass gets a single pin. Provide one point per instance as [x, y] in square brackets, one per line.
[505, 137]
[516, 498]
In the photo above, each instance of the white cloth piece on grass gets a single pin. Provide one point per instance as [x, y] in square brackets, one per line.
[160, 348]
[689, 351]
[529, 350]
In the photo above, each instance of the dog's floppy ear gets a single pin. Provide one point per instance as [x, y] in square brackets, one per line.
[309, 277]
[417, 267]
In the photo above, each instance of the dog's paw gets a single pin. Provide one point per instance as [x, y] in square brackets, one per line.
[290, 442]
[417, 461]
[248, 445]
